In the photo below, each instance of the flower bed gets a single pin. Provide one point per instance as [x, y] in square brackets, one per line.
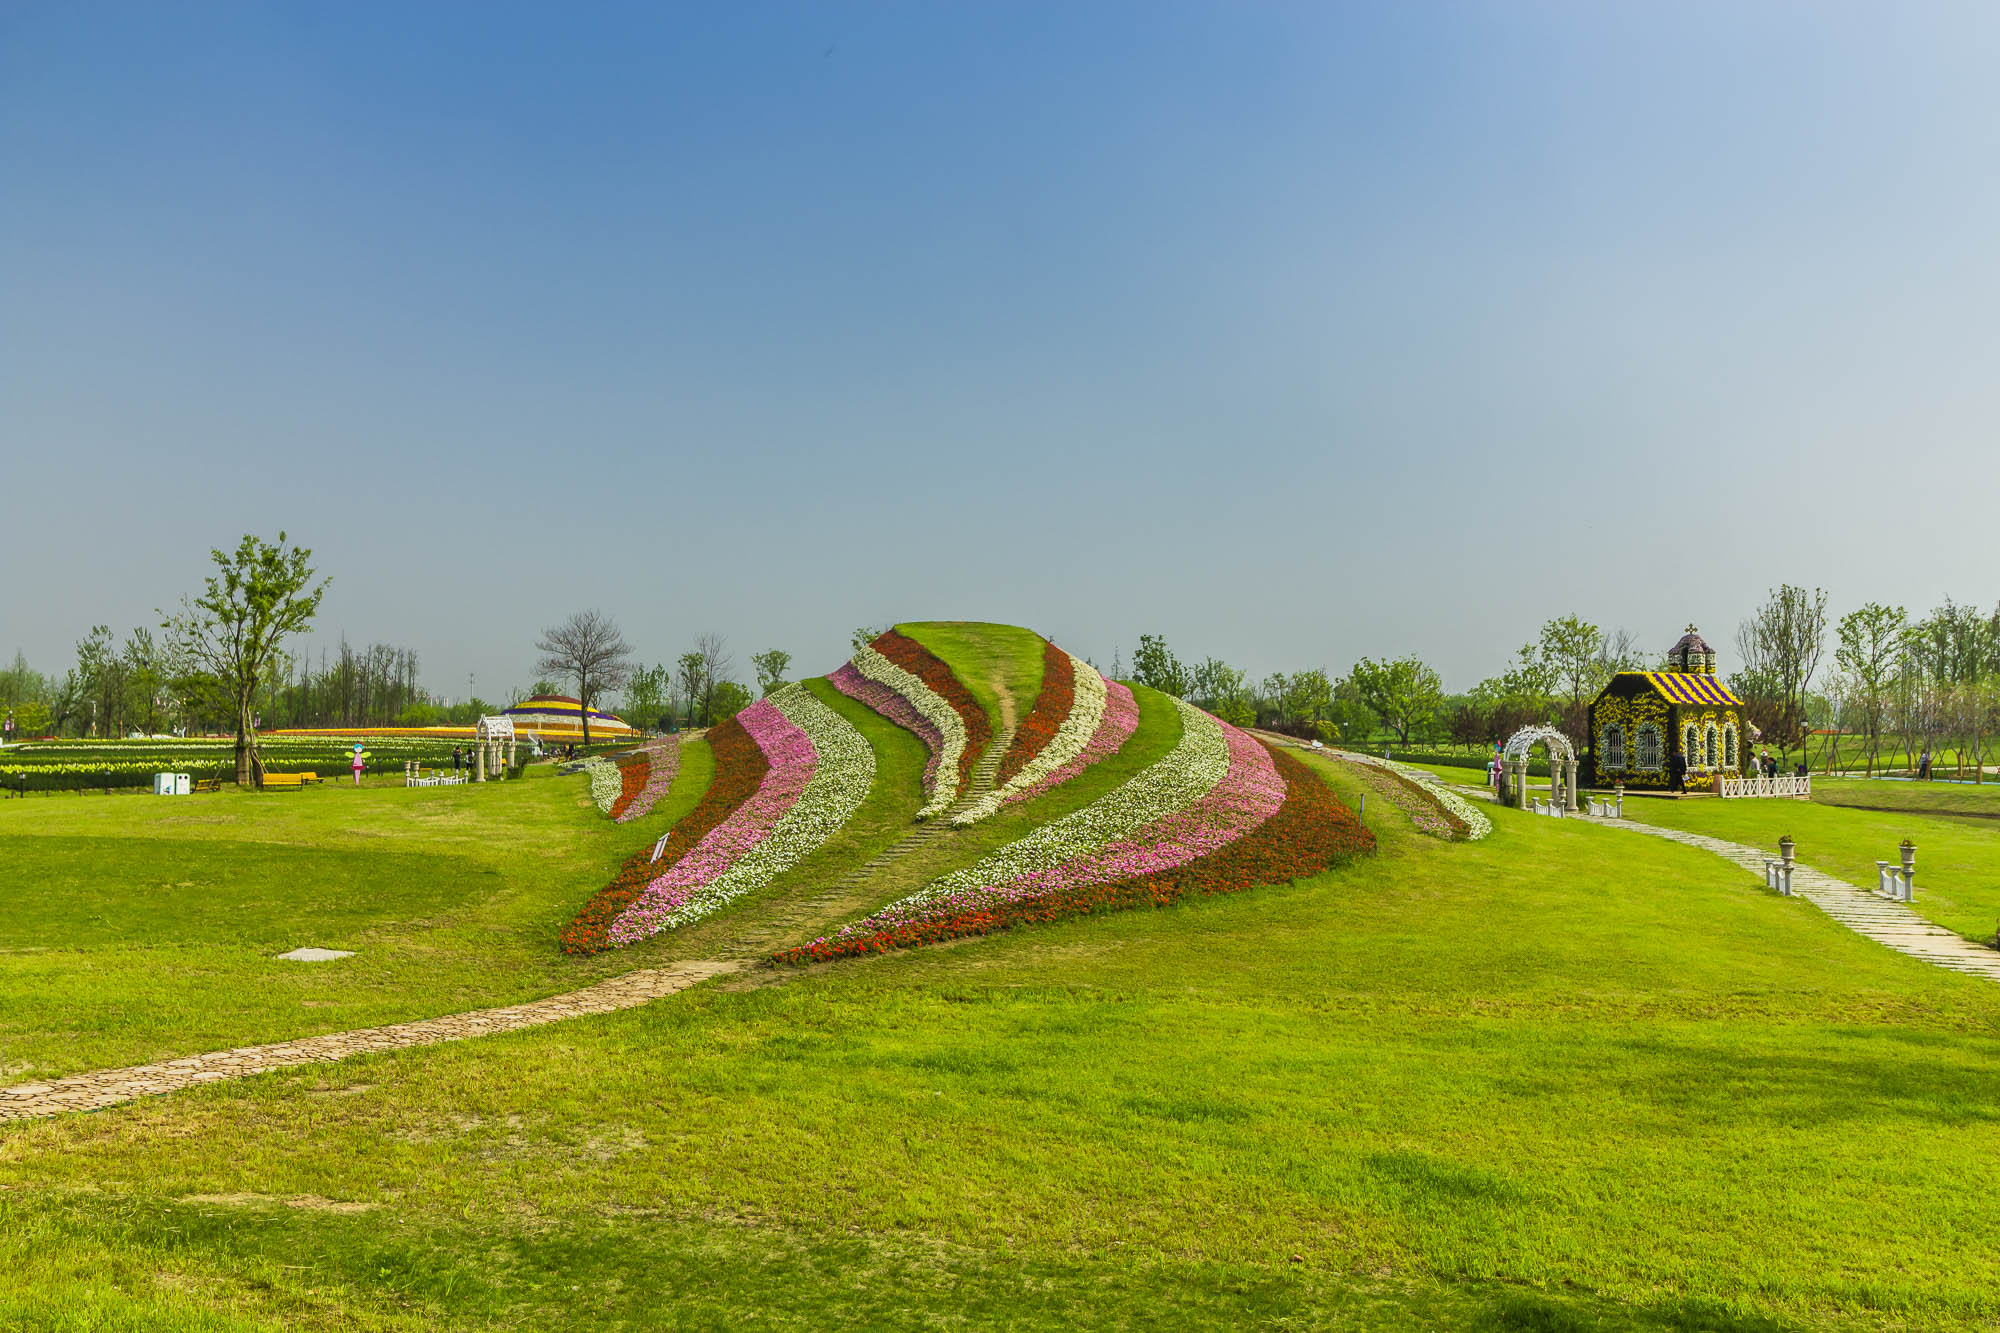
[1309, 832]
[606, 783]
[920, 662]
[1052, 708]
[647, 779]
[1118, 718]
[1082, 694]
[1215, 785]
[817, 770]
[900, 679]
[740, 766]
[1436, 810]
[885, 700]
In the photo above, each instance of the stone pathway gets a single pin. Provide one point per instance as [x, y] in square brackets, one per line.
[111, 1087]
[1860, 910]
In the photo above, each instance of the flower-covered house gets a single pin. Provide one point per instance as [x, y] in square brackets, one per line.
[1643, 718]
[557, 717]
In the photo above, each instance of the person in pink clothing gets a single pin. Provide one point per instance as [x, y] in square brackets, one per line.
[357, 765]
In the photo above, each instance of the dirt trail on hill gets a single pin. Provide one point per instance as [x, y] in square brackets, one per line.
[787, 921]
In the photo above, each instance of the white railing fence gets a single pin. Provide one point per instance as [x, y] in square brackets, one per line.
[1796, 786]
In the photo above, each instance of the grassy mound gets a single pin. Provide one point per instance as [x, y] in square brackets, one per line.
[1563, 1078]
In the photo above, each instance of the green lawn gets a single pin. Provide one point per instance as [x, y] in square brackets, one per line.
[1978, 801]
[142, 929]
[1567, 1078]
[1958, 859]
[985, 657]
[138, 929]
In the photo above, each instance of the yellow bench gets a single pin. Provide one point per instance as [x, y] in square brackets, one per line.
[207, 784]
[291, 781]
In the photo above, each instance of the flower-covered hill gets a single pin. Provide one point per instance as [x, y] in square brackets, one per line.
[1043, 789]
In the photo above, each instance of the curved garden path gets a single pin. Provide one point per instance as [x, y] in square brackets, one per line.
[1860, 910]
[790, 919]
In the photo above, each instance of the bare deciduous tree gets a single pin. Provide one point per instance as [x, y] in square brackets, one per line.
[588, 649]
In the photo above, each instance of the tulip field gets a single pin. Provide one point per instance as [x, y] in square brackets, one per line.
[1042, 1000]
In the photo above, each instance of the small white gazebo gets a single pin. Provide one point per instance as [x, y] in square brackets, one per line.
[1562, 767]
[488, 753]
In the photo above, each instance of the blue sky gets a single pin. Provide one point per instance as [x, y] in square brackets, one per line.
[1295, 333]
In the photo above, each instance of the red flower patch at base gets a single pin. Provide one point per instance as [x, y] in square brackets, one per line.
[740, 766]
[1311, 832]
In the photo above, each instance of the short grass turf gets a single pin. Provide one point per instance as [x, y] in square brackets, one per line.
[137, 929]
[134, 928]
[1958, 859]
[986, 658]
[1566, 1078]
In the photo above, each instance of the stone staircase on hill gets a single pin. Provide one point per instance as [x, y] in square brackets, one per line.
[804, 918]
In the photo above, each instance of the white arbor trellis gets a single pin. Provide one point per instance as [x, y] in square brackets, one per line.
[494, 751]
[1563, 794]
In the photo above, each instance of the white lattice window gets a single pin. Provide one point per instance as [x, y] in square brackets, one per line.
[1709, 747]
[1691, 745]
[1650, 760]
[1730, 759]
[1611, 744]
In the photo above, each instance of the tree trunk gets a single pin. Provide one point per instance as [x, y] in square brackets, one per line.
[246, 747]
[583, 711]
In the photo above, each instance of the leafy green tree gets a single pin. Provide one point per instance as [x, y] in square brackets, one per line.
[235, 630]
[770, 668]
[726, 700]
[21, 682]
[647, 695]
[1467, 723]
[31, 718]
[691, 679]
[1309, 696]
[100, 681]
[1405, 693]
[864, 635]
[1154, 665]
[1276, 699]
[1866, 651]
[1225, 691]
[1571, 650]
[1781, 646]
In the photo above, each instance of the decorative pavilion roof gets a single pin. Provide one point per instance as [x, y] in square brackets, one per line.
[1687, 687]
[1690, 642]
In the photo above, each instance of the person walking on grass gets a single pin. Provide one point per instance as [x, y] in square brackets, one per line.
[456, 759]
[1677, 771]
